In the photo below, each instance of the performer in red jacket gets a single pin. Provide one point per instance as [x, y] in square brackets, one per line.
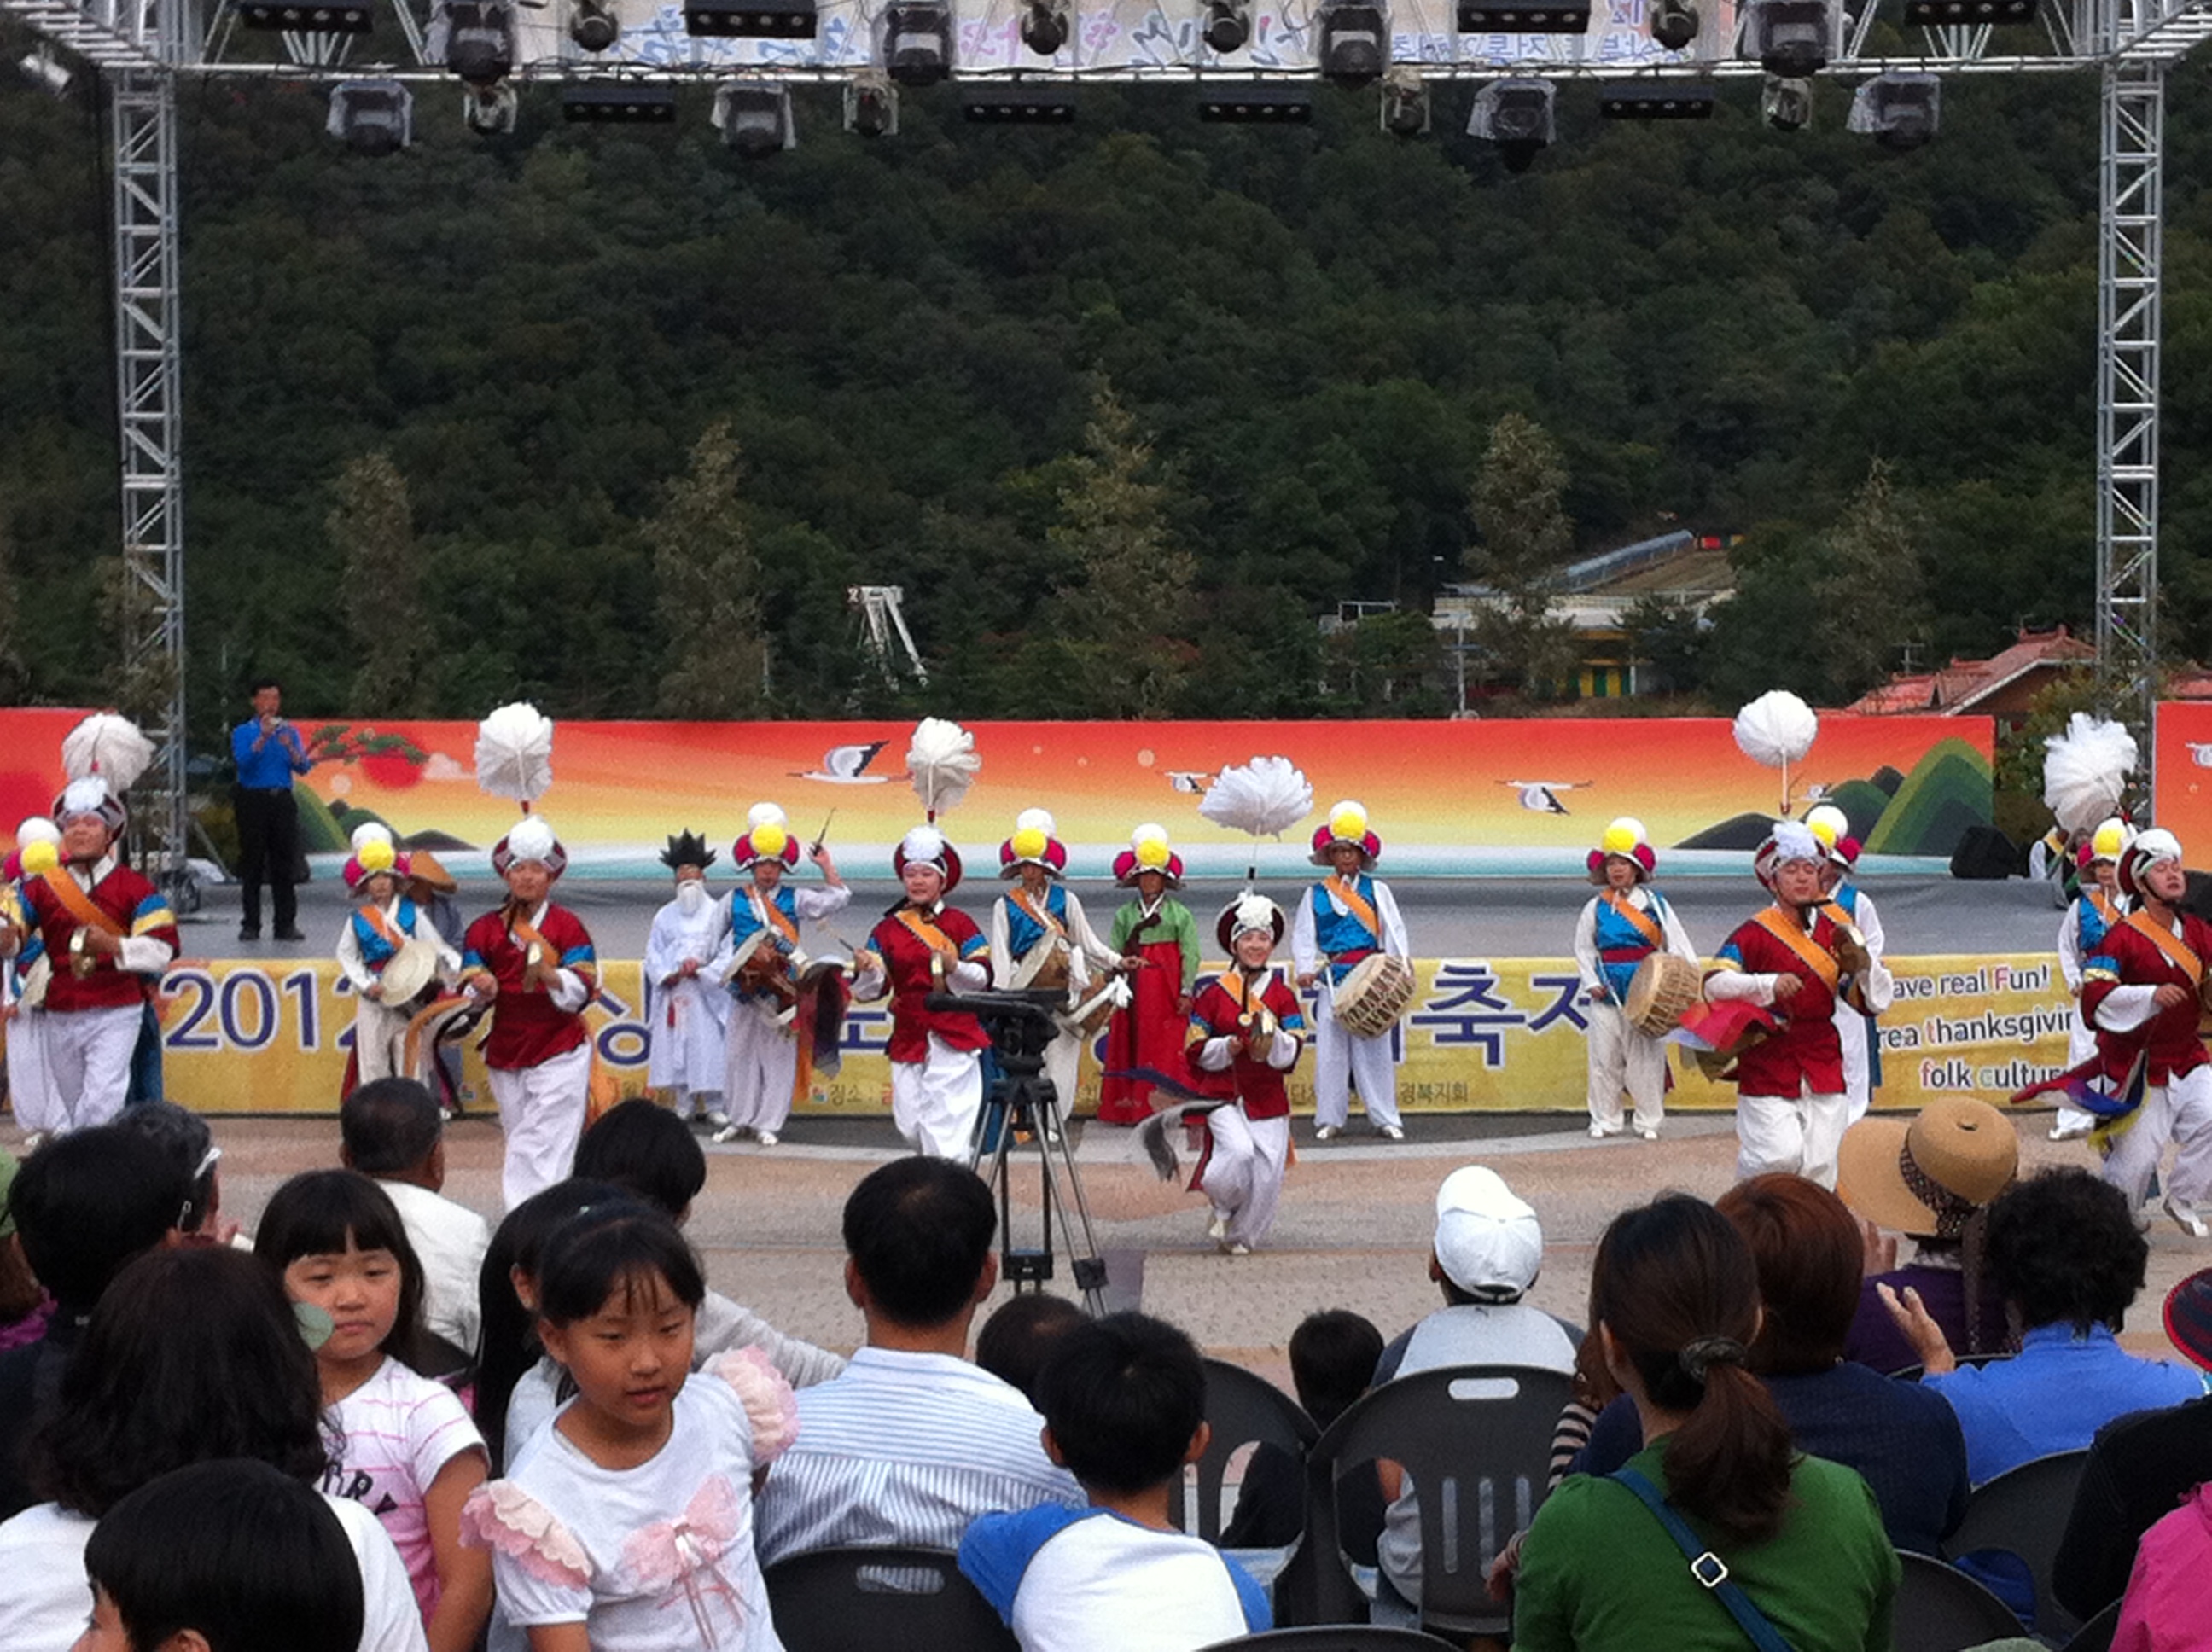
[108, 935]
[1245, 1028]
[923, 946]
[2141, 990]
[535, 958]
[1797, 956]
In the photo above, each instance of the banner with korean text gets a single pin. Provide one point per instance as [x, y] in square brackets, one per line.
[1504, 1034]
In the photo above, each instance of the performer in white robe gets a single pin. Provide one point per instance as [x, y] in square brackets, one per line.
[687, 1012]
[1040, 925]
[1341, 920]
[1862, 1059]
[763, 1073]
[31, 1093]
[1622, 924]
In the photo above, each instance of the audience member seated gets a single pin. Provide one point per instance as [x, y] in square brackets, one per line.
[1332, 1358]
[185, 1137]
[193, 1354]
[645, 1148]
[222, 1556]
[2141, 1467]
[1020, 1336]
[1488, 1251]
[2167, 1606]
[25, 1307]
[1931, 1179]
[393, 1131]
[2064, 1251]
[1674, 1299]
[1902, 1440]
[1124, 1404]
[912, 1443]
[83, 1205]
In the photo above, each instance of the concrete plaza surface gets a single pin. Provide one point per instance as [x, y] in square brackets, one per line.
[1354, 1229]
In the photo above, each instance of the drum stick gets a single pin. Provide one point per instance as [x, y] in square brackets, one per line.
[822, 835]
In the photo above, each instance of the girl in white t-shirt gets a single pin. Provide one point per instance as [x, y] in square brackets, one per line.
[407, 1451]
[628, 1525]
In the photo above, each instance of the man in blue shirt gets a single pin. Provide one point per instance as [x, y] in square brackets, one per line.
[267, 752]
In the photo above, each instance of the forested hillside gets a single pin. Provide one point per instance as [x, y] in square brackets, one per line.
[941, 355]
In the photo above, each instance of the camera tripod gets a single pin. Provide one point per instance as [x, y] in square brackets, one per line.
[1020, 1118]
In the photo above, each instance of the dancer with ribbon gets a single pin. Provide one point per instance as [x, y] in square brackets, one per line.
[1347, 917]
[1245, 1030]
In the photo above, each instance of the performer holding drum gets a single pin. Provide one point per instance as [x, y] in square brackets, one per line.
[1349, 938]
[1628, 934]
[1854, 908]
[774, 1026]
[1795, 958]
[391, 952]
[1043, 942]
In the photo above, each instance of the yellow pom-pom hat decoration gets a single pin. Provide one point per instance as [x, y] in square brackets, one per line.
[1149, 850]
[766, 837]
[1347, 823]
[1832, 826]
[40, 856]
[1624, 839]
[2108, 843]
[1033, 844]
[374, 855]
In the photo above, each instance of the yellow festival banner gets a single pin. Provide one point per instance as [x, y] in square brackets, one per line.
[1503, 1035]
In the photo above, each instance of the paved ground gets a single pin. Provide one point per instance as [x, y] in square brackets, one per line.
[1354, 1229]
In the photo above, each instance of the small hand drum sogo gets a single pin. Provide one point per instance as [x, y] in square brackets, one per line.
[1375, 995]
[1664, 986]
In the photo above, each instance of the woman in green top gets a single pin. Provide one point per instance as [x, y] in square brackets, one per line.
[1675, 1302]
[1156, 934]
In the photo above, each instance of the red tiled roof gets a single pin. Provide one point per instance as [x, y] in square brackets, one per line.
[1959, 686]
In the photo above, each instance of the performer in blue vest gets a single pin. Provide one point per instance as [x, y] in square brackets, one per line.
[1624, 922]
[1346, 919]
[1043, 939]
[1861, 1045]
[2096, 907]
[383, 922]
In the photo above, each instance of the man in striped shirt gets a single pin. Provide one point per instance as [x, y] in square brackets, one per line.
[913, 1442]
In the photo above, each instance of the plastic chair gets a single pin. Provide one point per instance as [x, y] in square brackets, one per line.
[2023, 1511]
[1334, 1637]
[2096, 1635]
[1941, 1609]
[857, 1600]
[1476, 1442]
[1243, 1410]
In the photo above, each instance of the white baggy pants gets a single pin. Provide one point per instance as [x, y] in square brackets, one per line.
[1621, 1058]
[1342, 1059]
[2180, 1111]
[934, 1103]
[1800, 1135]
[89, 1062]
[1244, 1177]
[541, 1109]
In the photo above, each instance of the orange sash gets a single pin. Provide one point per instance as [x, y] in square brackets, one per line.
[1646, 926]
[1349, 897]
[2178, 952]
[1051, 925]
[773, 918]
[928, 933]
[1814, 955]
[383, 925]
[2105, 909]
[79, 904]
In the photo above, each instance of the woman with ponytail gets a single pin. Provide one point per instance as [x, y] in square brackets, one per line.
[1674, 1307]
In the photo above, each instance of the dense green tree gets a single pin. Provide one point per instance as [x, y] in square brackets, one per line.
[1871, 587]
[1526, 540]
[714, 661]
[372, 529]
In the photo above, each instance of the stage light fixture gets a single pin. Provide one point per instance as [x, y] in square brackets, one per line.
[1786, 102]
[917, 41]
[373, 117]
[1404, 105]
[1355, 41]
[593, 26]
[779, 19]
[1517, 116]
[1900, 111]
[618, 103]
[39, 69]
[1791, 37]
[1227, 25]
[1017, 103]
[871, 106]
[1524, 16]
[1673, 23]
[1045, 27]
[319, 16]
[1257, 103]
[491, 111]
[754, 118]
[1657, 100]
[475, 38]
[1930, 12]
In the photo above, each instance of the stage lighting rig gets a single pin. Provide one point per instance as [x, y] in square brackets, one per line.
[1791, 38]
[1226, 26]
[1405, 107]
[871, 106]
[754, 118]
[1260, 103]
[1673, 23]
[1900, 111]
[1786, 102]
[1355, 41]
[491, 111]
[593, 26]
[918, 41]
[373, 117]
[1524, 16]
[475, 38]
[1657, 100]
[618, 103]
[321, 16]
[1045, 27]
[1517, 116]
[777, 20]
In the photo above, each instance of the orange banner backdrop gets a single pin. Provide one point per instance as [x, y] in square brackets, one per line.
[2182, 739]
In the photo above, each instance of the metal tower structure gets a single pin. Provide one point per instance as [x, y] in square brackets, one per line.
[141, 47]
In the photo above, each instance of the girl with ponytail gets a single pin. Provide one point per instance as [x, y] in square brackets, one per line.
[1675, 1309]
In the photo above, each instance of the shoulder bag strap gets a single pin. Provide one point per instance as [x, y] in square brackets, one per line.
[1708, 1568]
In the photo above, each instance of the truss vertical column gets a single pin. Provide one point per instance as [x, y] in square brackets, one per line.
[2131, 202]
[142, 116]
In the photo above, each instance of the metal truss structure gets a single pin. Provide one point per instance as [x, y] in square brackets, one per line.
[141, 48]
